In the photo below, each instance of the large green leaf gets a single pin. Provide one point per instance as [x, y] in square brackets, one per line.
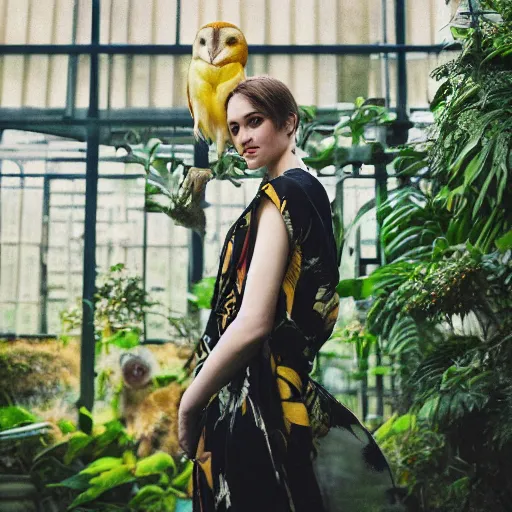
[403, 424]
[78, 442]
[14, 416]
[103, 483]
[475, 140]
[477, 165]
[147, 495]
[395, 425]
[360, 288]
[78, 482]
[504, 243]
[403, 337]
[155, 464]
[113, 435]
[182, 480]
[124, 338]
[429, 409]
[202, 292]
[103, 464]
[383, 432]
[324, 159]
[403, 240]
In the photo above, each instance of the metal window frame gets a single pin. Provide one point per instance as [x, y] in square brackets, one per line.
[91, 122]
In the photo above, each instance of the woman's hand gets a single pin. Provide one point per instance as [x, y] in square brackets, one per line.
[188, 427]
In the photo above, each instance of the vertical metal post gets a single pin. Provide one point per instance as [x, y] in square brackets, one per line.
[196, 242]
[145, 263]
[385, 56]
[91, 198]
[363, 389]
[1, 165]
[20, 246]
[178, 21]
[381, 195]
[72, 69]
[338, 210]
[43, 259]
[401, 92]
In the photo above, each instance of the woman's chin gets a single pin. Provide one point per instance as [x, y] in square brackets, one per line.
[252, 165]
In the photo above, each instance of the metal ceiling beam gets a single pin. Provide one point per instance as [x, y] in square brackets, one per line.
[186, 49]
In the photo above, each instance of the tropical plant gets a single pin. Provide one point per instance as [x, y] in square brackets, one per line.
[441, 306]
[120, 304]
[458, 387]
[101, 472]
[415, 450]
[176, 188]
[330, 145]
[470, 158]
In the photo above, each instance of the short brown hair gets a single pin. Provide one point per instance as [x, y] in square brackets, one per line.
[269, 96]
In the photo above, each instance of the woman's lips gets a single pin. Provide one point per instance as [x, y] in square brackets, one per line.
[250, 151]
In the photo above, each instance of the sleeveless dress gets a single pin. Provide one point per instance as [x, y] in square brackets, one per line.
[273, 440]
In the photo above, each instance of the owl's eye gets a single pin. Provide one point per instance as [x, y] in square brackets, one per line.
[202, 41]
[231, 41]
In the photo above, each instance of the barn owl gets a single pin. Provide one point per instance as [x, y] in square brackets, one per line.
[219, 55]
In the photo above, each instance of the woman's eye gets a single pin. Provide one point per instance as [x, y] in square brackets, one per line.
[255, 121]
[234, 130]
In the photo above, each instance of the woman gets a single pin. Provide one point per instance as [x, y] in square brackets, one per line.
[265, 429]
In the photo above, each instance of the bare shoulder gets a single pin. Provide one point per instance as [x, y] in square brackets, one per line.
[269, 219]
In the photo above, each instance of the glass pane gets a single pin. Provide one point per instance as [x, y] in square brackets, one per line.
[37, 81]
[20, 239]
[65, 247]
[143, 81]
[148, 22]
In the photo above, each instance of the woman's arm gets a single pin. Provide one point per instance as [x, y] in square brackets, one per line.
[254, 321]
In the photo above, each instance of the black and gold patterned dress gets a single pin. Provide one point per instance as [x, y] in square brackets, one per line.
[273, 439]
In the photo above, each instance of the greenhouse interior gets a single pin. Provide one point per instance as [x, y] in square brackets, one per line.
[115, 204]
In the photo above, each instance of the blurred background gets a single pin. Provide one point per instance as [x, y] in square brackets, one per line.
[134, 87]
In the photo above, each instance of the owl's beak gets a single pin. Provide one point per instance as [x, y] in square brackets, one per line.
[213, 55]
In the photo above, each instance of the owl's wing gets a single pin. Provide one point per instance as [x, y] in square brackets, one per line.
[199, 132]
[189, 102]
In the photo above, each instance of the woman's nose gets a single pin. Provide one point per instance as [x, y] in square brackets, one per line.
[245, 137]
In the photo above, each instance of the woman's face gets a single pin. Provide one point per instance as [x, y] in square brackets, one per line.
[254, 136]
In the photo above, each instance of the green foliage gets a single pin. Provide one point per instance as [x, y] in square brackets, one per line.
[470, 157]
[120, 304]
[100, 471]
[202, 293]
[359, 342]
[458, 283]
[331, 150]
[120, 299]
[442, 305]
[176, 188]
[412, 223]
[14, 416]
[359, 288]
[415, 450]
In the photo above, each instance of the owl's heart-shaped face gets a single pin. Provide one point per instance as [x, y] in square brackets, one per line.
[220, 45]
